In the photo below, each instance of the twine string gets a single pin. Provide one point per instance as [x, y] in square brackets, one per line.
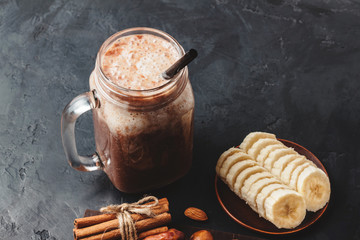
[123, 213]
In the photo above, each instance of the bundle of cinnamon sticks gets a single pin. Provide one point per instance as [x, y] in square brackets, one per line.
[105, 226]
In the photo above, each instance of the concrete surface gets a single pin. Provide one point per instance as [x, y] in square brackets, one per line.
[287, 67]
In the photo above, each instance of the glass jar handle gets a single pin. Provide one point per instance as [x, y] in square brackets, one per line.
[79, 105]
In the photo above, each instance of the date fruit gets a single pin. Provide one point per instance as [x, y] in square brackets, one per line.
[202, 235]
[171, 234]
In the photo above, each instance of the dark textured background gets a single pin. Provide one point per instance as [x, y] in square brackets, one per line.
[287, 67]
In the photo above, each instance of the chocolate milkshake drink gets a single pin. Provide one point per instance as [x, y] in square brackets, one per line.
[143, 123]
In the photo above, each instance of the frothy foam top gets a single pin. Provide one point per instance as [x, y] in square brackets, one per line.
[137, 61]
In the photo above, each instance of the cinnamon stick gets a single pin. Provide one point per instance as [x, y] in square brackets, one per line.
[103, 233]
[158, 209]
[88, 221]
[112, 235]
[152, 232]
[162, 207]
[116, 234]
[149, 223]
[95, 229]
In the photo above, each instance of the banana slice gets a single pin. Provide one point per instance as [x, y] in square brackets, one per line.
[275, 155]
[285, 208]
[264, 193]
[255, 188]
[236, 169]
[314, 185]
[252, 137]
[282, 162]
[296, 173]
[289, 169]
[252, 179]
[230, 161]
[264, 153]
[225, 155]
[253, 185]
[254, 151]
[245, 174]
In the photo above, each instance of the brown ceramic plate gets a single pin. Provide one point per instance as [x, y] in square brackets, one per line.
[238, 210]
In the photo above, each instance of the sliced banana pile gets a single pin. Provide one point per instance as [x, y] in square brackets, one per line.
[274, 180]
[290, 167]
[261, 190]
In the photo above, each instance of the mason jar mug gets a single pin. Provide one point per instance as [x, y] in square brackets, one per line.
[143, 135]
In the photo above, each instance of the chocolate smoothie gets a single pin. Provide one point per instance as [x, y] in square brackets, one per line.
[144, 124]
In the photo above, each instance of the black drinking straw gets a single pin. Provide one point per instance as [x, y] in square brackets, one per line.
[179, 64]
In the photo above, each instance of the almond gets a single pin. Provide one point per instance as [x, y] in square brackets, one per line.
[196, 214]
